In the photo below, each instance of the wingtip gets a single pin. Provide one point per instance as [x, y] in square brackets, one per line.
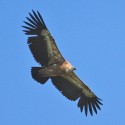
[38, 11]
[98, 98]
[25, 32]
[32, 10]
[90, 105]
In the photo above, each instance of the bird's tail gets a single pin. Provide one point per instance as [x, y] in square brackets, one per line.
[36, 76]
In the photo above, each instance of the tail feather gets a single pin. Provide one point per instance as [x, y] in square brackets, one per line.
[35, 75]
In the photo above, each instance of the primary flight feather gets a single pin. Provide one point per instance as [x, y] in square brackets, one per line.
[54, 66]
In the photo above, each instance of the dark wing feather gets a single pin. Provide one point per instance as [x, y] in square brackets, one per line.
[42, 45]
[38, 49]
[65, 86]
[73, 88]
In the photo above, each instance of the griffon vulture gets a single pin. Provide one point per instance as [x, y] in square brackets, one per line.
[54, 66]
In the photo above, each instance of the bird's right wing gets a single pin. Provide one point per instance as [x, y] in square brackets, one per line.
[41, 43]
[73, 88]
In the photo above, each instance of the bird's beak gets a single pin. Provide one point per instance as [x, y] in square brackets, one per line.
[74, 68]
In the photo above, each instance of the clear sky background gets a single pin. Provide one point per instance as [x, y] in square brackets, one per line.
[90, 34]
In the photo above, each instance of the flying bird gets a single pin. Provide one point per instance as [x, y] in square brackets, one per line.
[55, 67]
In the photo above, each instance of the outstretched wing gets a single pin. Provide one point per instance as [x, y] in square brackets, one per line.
[73, 88]
[41, 44]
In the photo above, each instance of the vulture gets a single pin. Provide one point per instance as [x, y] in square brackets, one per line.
[55, 67]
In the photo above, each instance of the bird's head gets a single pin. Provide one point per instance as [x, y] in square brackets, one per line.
[72, 68]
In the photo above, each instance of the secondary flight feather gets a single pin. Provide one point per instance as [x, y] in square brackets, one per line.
[55, 67]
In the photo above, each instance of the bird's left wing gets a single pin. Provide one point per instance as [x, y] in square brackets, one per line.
[41, 43]
[73, 88]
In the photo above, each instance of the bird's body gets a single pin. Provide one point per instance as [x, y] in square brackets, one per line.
[55, 67]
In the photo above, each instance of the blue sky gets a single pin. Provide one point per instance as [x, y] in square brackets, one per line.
[90, 34]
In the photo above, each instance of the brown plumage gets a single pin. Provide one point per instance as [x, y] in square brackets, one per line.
[55, 67]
